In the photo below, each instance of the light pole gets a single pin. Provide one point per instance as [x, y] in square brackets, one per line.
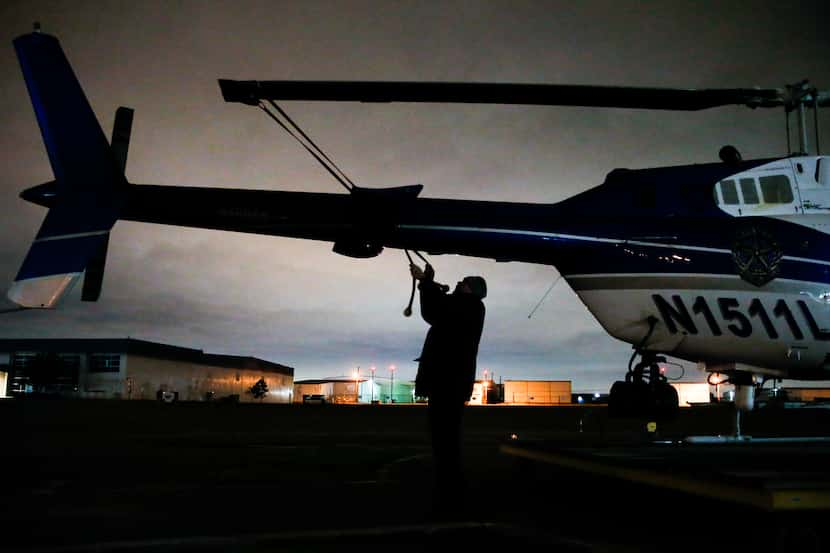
[372, 369]
[392, 384]
[357, 385]
[484, 389]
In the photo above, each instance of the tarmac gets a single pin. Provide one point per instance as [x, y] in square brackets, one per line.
[146, 476]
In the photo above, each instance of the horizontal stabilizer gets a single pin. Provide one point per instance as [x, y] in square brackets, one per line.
[54, 263]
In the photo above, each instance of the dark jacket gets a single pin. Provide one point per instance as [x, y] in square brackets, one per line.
[447, 365]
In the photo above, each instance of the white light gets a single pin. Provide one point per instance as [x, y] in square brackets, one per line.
[823, 297]
[579, 399]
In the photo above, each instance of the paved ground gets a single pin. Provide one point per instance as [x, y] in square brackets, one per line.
[144, 476]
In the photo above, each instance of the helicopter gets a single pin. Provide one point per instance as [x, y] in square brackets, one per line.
[726, 264]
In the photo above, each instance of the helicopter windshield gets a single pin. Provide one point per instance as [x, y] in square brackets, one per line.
[748, 194]
[776, 189]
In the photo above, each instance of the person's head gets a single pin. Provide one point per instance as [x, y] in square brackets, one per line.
[474, 285]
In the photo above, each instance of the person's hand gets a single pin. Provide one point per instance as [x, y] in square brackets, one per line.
[416, 271]
[429, 273]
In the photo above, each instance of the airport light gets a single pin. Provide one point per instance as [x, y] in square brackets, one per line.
[716, 380]
[392, 384]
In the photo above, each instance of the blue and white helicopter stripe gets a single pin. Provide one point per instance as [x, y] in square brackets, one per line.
[726, 264]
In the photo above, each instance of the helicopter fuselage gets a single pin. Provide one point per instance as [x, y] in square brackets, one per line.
[732, 260]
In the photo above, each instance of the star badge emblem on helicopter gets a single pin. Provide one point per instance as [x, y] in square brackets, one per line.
[757, 255]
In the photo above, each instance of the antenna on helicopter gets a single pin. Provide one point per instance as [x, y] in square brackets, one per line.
[556, 280]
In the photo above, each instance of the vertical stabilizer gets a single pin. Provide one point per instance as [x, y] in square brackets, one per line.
[90, 184]
[120, 145]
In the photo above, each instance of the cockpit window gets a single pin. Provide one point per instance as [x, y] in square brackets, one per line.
[776, 189]
[729, 192]
[749, 191]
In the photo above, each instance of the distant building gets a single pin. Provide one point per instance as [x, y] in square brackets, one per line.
[808, 395]
[537, 392]
[486, 392]
[792, 397]
[344, 389]
[126, 368]
[331, 390]
[692, 393]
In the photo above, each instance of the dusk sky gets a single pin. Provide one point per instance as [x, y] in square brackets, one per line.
[297, 303]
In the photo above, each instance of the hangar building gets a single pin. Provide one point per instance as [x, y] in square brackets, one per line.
[537, 392]
[343, 389]
[126, 368]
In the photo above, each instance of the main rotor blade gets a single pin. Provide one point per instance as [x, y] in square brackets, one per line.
[251, 92]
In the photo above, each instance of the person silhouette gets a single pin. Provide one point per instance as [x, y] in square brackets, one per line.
[446, 372]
